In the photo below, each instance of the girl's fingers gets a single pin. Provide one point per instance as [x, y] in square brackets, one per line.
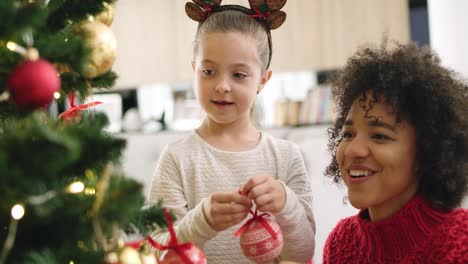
[230, 208]
[259, 190]
[254, 181]
[263, 200]
[242, 199]
[222, 197]
[271, 207]
[231, 197]
[227, 221]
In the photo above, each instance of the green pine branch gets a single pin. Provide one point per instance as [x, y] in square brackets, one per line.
[41, 156]
[18, 16]
[68, 12]
[64, 48]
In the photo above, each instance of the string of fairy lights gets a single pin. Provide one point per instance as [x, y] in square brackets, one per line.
[18, 210]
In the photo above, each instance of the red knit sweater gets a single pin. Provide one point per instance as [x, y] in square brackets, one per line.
[417, 233]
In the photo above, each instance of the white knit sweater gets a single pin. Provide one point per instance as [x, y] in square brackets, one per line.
[190, 169]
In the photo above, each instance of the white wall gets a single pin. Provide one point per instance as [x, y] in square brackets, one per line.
[448, 33]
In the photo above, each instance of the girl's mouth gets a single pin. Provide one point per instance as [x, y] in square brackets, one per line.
[222, 103]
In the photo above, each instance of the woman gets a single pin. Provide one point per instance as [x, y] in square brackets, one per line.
[400, 146]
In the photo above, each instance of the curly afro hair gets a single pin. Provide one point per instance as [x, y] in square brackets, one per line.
[430, 97]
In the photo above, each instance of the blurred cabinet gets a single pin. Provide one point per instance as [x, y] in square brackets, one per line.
[155, 37]
[322, 34]
[348, 24]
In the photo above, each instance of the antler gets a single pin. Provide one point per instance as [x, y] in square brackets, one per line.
[200, 9]
[270, 11]
[275, 5]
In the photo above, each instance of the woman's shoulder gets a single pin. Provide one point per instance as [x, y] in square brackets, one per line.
[455, 221]
[450, 243]
[345, 225]
[340, 243]
[344, 228]
[456, 225]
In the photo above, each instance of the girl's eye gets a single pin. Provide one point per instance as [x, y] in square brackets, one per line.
[207, 72]
[239, 75]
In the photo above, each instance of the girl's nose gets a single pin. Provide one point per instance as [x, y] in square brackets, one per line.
[222, 86]
[357, 147]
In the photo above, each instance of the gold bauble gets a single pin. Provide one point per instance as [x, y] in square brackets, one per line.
[148, 258]
[129, 255]
[103, 44]
[107, 15]
[111, 258]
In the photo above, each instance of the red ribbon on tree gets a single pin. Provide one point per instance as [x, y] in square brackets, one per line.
[261, 220]
[74, 111]
[173, 243]
[185, 252]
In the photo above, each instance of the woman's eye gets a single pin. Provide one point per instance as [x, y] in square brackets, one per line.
[239, 75]
[380, 137]
[347, 135]
[207, 72]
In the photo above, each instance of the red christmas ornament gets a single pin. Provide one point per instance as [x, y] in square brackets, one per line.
[175, 253]
[186, 251]
[33, 83]
[261, 240]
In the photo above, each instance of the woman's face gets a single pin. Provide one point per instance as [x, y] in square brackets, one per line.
[377, 159]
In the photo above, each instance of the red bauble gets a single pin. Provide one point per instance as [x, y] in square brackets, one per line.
[33, 83]
[258, 244]
[193, 255]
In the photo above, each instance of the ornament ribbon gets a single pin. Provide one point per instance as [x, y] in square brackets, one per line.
[261, 220]
[173, 243]
[75, 110]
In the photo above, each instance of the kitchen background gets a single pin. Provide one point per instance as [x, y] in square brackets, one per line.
[153, 102]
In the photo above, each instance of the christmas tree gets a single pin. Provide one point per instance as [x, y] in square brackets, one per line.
[62, 198]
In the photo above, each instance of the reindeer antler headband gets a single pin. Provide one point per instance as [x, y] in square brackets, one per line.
[266, 12]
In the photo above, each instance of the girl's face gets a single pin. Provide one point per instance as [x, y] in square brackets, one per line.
[228, 76]
[377, 160]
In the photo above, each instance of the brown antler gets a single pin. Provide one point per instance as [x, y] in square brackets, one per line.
[276, 19]
[275, 5]
[200, 9]
[270, 11]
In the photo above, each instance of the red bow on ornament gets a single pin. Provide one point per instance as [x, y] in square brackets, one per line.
[75, 111]
[257, 218]
[187, 252]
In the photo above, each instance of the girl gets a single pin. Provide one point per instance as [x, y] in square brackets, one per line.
[400, 146]
[213, 178]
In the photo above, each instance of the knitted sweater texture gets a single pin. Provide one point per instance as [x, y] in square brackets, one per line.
[190, 169]
[418, 233]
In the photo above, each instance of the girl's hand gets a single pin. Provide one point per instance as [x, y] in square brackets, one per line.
[225, 209]
[269, 194]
